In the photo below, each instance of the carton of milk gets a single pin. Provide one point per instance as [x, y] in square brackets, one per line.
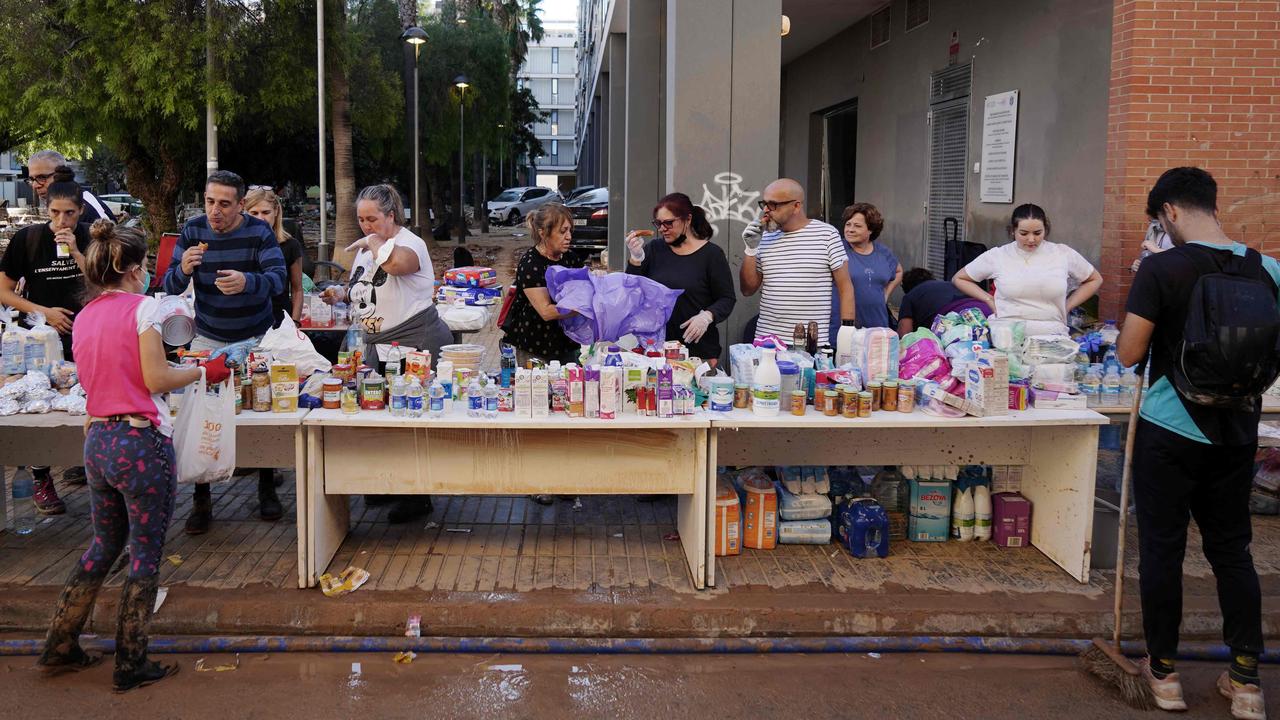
[523, 393]
[930, 518]
[987, 382]
[540, 393]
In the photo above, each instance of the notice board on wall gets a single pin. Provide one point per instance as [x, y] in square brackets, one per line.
[999, 147]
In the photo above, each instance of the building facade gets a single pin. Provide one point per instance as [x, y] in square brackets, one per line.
[550, 71]
[888, 103]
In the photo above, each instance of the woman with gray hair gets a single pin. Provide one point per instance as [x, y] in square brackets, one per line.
[391, 294]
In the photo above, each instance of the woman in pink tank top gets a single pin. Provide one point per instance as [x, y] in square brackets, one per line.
[129, 458]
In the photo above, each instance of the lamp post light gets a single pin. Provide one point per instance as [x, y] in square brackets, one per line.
[461, 83]
[415, 36]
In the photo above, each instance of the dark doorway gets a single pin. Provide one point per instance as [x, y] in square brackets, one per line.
[839, 159]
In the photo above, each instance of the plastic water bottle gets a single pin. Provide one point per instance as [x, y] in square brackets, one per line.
[1091, 387]
[413, 398]
[1111, 361]
[398, 390]
[1109, 332]
[435, 400]
[491, 400]
[24, 504]
[475, 398]
[1128, 386]
[395, 360]
[1111, 388]
[507, 365]
[12, 354]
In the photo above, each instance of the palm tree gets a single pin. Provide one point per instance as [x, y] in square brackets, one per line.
[344, 180]
[522, 23]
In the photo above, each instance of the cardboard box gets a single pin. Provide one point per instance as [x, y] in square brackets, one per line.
[987, 383]
[930, 517]
[284, 387]
[1050, 400]
[935, 391]
[1011, 520]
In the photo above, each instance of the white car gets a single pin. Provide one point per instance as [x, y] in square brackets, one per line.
[513, 204]
[122, 202]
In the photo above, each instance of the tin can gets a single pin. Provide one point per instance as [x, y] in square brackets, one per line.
[373, 393]
[331, 397]
[889, 396]
[829, 399]
[906, 396]
[799, 399]
[850, 398]
[864, 404]
[875, 387]
[741, 396]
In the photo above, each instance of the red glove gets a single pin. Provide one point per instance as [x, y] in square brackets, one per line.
[216, 371]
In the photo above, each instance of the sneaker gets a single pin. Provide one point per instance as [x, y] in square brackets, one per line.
[46, 496]
[1246, 700]
[74, 476]
[1167, 692]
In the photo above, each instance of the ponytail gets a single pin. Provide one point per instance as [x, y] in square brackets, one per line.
[679, 205]
[701, 226]
[115, 252]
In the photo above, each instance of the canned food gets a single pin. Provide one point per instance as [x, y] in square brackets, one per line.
[331, 398]
[864, 404]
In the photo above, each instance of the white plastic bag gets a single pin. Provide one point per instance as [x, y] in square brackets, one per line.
[288, 344]
[204, 434]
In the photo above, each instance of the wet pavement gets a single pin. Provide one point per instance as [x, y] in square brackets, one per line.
[319, 686]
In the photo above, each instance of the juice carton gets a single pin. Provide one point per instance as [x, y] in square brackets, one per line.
[666, 393]
[284, 387]
[540, 393]
[576, 390]
[418, 364]
[522, 398]
[591, 391]
[632, 378]
[1011, 520]
[610, 381]
[930, 518]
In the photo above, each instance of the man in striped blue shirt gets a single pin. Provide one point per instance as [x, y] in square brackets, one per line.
[237, 266]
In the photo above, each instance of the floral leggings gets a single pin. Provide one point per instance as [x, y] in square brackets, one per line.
[132, 476]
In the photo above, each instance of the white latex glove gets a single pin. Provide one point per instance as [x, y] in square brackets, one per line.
[635, 248]
[696, 326]
[751, 235]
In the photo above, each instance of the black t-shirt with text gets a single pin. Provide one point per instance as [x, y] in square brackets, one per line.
[51, 281]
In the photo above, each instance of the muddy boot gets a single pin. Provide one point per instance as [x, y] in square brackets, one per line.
[268, 504]
[201, 511]
[46, 496]
[74, 476]
[62, 651]
[133, 669]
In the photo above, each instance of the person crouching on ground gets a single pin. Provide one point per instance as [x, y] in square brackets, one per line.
[129, 457]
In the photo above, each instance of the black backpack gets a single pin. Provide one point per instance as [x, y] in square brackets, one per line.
[1230, 350]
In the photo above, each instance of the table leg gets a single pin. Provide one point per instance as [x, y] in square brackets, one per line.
[713, 442]
[1059, 480]
[329, 515]
[300, 500]
[692, 514]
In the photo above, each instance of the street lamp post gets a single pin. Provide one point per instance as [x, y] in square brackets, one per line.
[461, 83]
[502, 155]
[415, 36]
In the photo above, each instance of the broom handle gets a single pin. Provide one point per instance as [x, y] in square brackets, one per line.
[1126, 479]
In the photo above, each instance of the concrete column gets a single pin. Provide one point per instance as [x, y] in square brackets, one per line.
[721, 109]
[642, 180]
[616, 178]
[601, 174]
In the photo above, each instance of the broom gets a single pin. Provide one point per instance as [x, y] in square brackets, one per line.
[1102, 658]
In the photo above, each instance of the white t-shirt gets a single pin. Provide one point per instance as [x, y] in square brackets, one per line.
[381, 301]
[1032, 286]
[147, 316]
[797, 285]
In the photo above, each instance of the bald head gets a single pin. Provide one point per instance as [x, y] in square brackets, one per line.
[784, 188]
[783, 204]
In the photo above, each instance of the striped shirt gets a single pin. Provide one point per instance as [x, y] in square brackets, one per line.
[797, 284]
[252, 249]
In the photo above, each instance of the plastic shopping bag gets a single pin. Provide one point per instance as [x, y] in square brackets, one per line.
[204, 434]
[288, 344]
[610, 306]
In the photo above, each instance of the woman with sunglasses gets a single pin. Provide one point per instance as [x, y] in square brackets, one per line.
[684, 258]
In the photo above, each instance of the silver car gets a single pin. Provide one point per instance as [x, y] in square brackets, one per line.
[513, 204]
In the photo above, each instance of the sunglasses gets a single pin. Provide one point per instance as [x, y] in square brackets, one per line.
[773, 205]
[664, 224]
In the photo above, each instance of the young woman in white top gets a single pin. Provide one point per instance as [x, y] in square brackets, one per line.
[1033, 276]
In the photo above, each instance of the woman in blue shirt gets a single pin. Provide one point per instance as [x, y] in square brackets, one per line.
[873, 268]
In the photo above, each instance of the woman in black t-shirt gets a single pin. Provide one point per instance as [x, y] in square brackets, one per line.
[683, 258]
[49, 259]
[532, 324]
[265, 205]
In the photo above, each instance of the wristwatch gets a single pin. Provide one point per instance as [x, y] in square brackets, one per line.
[848, 323]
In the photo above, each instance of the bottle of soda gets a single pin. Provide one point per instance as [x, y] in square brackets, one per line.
[508, 365]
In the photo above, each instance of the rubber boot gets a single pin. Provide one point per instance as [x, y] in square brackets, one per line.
[201, 511]
[269, 508]
[133, 669]
[62, 651]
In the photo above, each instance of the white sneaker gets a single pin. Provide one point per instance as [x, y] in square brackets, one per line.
[1246, 700]
[1167, 692]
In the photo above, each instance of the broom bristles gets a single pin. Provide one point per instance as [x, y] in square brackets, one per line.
[1125, 677]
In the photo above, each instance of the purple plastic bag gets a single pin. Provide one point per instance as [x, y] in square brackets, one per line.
[610, 306]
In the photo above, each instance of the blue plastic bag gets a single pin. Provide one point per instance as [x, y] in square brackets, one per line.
[610, 306]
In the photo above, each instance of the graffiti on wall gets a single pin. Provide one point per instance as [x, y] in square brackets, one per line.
[732, 202]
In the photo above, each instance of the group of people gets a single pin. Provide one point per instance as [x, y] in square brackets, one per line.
[1193, 460]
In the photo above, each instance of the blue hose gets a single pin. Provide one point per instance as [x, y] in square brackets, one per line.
[626, 646]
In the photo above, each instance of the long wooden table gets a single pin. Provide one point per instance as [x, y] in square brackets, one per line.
[1057, 449]
[273, 440]
[373, 452]
[1120, 414]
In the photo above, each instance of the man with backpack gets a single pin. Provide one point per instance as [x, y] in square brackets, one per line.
[1208, 310]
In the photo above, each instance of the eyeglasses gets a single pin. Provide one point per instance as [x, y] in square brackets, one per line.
[39, 179]
[773, 205]
[663, 224]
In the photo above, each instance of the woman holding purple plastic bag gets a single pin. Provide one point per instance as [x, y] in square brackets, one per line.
[532, 324]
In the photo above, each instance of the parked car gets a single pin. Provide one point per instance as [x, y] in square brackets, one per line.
[513, 204]
[591, 219]
[574, 193]
[122, 202]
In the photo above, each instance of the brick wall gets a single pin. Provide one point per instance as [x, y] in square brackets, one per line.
[1193, 82]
